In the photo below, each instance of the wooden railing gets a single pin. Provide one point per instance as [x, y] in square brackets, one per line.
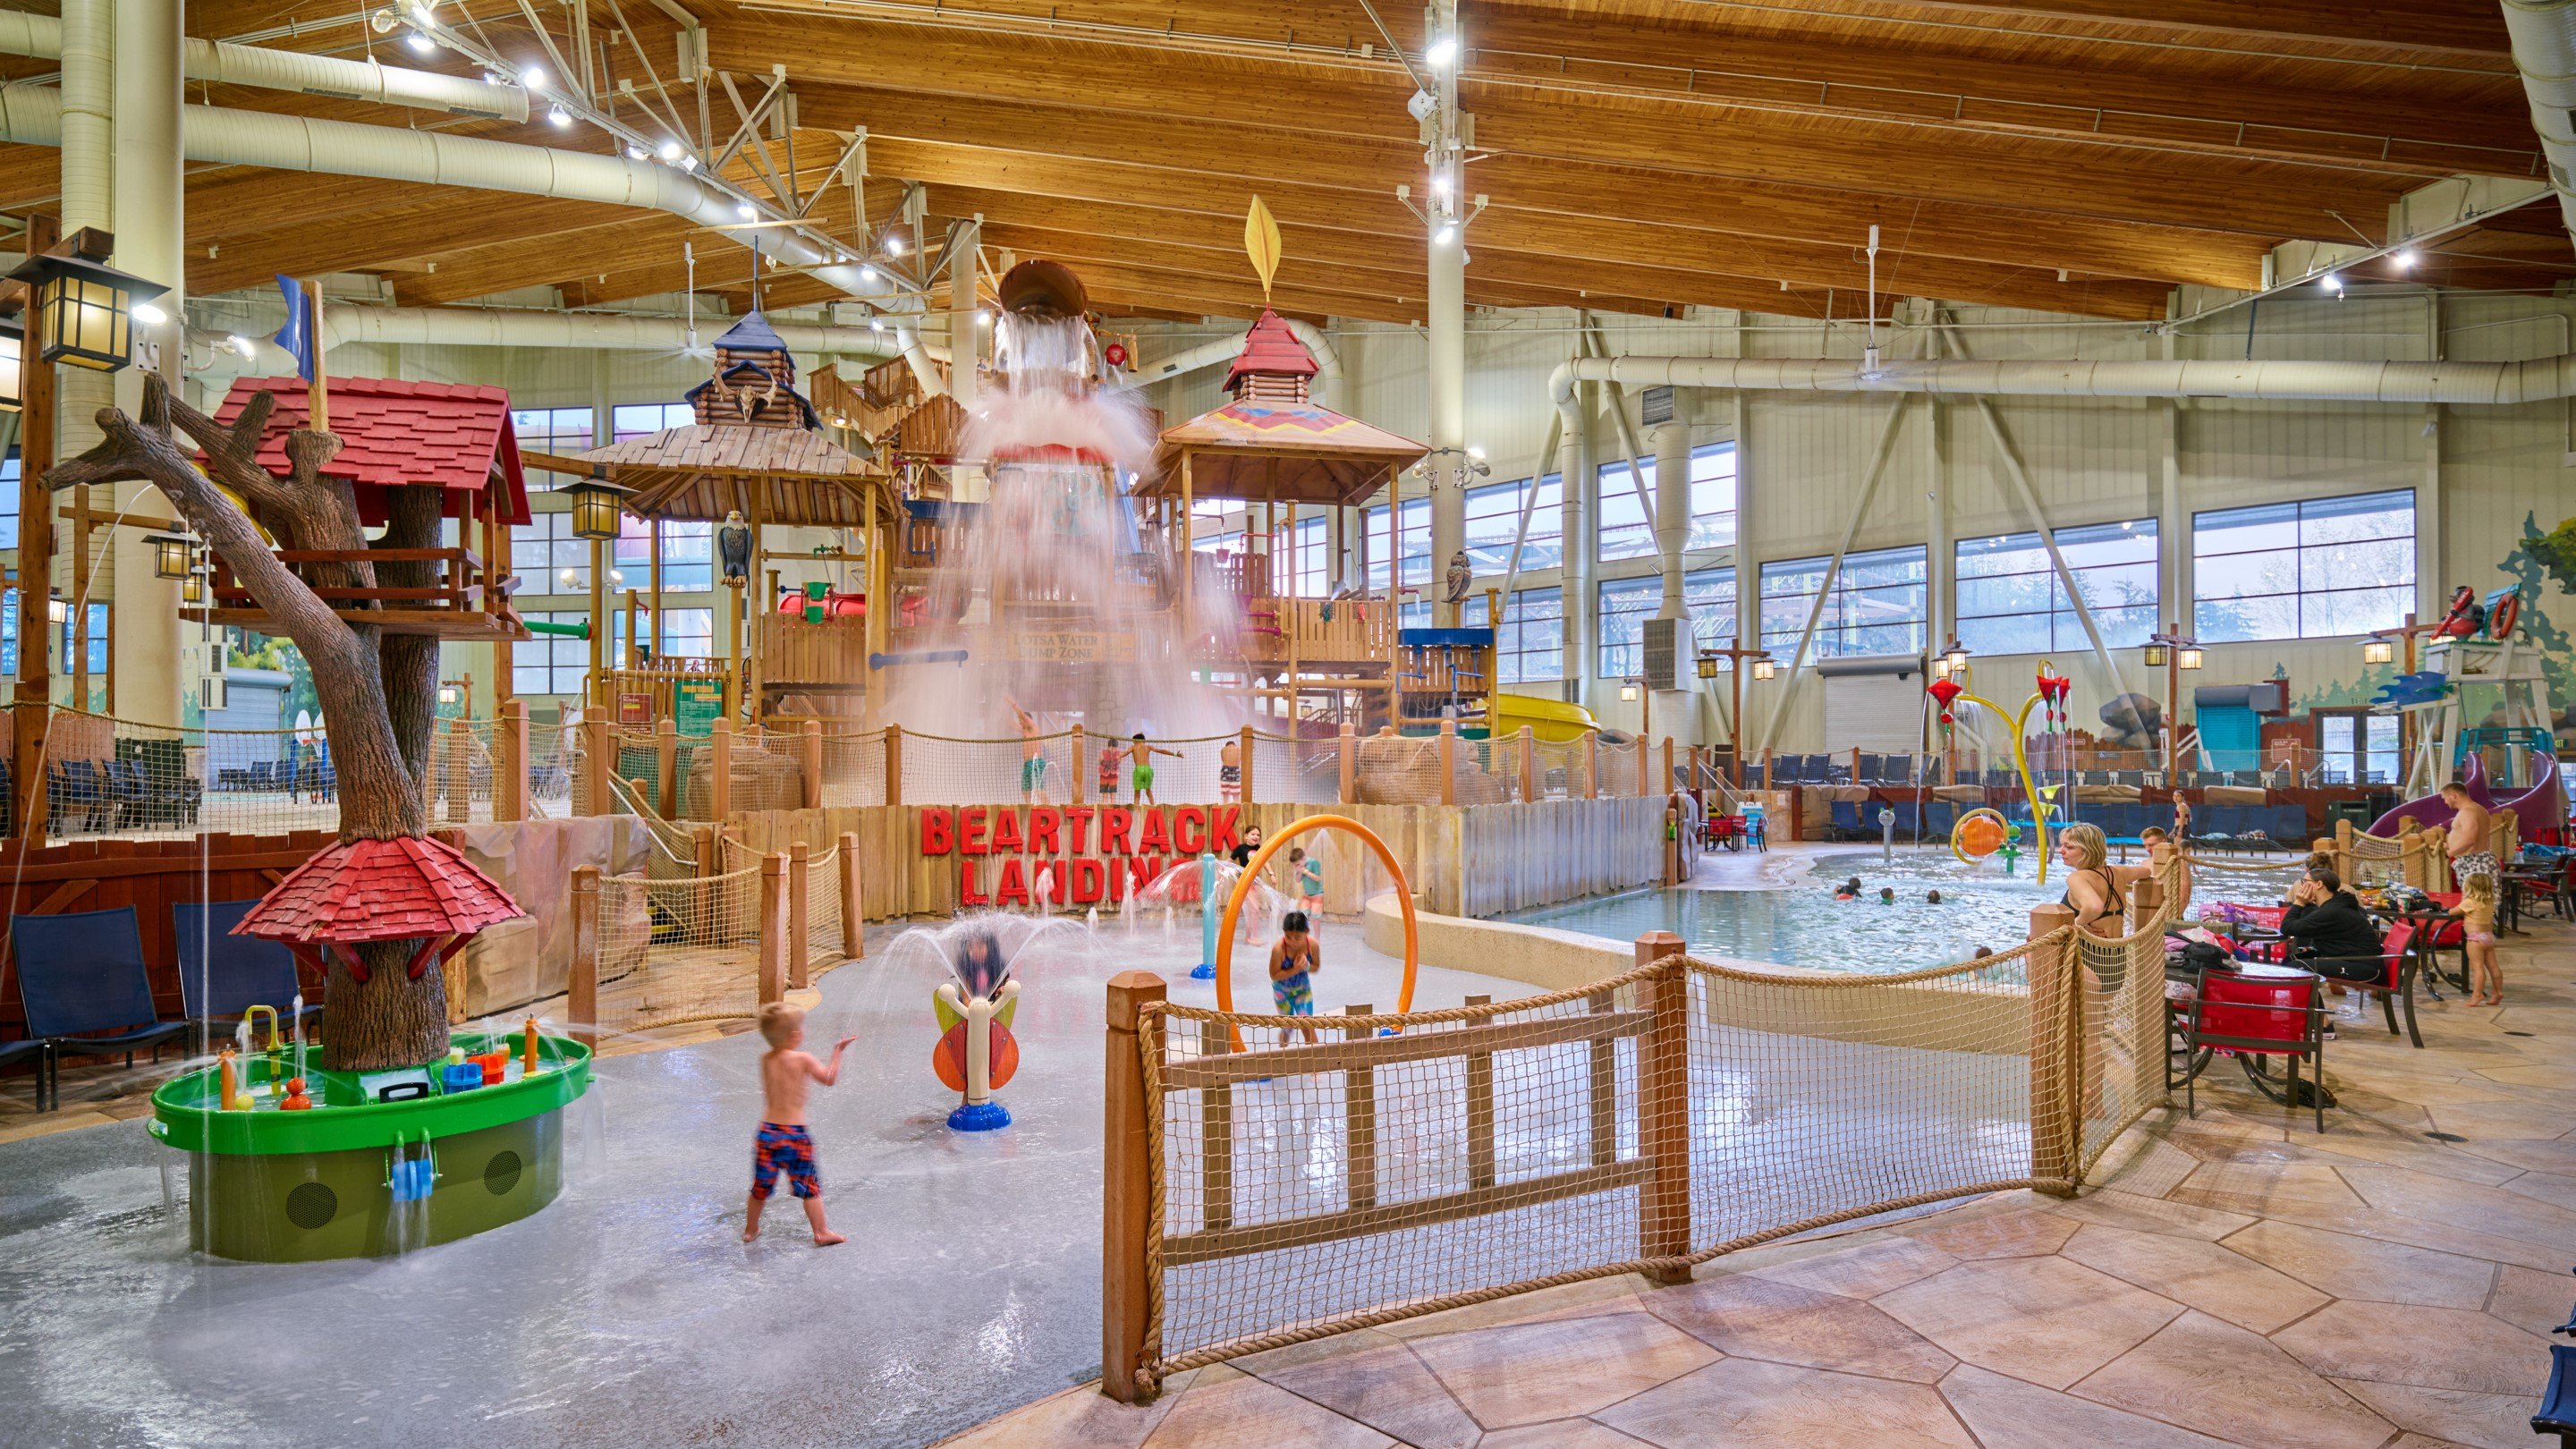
[460, 584]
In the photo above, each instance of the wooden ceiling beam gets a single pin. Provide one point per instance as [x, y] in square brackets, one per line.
[1525, 68]
[2465, 27]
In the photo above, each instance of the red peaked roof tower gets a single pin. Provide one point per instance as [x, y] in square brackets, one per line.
[380, 890]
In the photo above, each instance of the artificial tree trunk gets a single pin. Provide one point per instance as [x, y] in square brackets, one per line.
[377, 692]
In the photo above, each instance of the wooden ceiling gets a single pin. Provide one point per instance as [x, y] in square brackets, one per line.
[2078, 156]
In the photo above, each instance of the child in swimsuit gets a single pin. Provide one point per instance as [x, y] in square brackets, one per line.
[2477, 914]
[1309, 874]
[1229, 772]
[782, 1145]
[1109, 770]
[1140, 757]
[1294, 960]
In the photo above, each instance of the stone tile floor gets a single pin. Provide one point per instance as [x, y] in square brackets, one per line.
[2234, 1278]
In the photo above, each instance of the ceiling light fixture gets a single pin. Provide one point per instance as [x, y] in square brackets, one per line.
[746, 211]
[534, 78]
[670, 151]
[637, 153]
[559, 115]
[148, 315]
[1447, 233]
[1441, 53]
[2406, 260]
[421, 43]
[242, 345]
[2332, 283]
[867, 274]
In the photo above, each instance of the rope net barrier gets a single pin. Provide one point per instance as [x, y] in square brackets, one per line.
[1341, 1172]
[678, 950]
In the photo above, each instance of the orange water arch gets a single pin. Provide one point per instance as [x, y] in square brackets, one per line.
[1243, 891]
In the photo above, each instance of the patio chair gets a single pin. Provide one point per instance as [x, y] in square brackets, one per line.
[2259, 1017]
[222, 975]
[37, 1050]
[82, 973]
[2557, 1411]
[2392, 978]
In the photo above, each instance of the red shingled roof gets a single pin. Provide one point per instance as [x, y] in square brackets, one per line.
[380, 890]
[397, 434]
[1271, 347]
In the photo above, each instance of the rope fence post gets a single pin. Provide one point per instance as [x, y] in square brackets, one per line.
[1666, 783]
[1345, 745]
[666, 766]
[1130, 1127]
[2055, 1014]
[894, 766]
[1529, 765]
[581, 992]
[2437, 860]
[811, 744]
[599, 741]
[720, 773]
[854, 943]
[1645, 747]
[1359, 1119]
[1663, 1111]
[1243, 746]
[510, 770]
[1592, 764]
[1448, 762]
[2343, 848]
[1081, 762]
[800, 915]
[772, 932]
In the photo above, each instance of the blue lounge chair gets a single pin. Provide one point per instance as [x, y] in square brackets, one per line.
[33, 1049]
[82, 974]
[222, 975]
[2557, 1413]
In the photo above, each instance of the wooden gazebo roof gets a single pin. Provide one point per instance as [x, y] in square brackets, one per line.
[1273, 445]
[777, 475]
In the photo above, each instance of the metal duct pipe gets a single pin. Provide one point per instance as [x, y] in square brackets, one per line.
[34, 116]
[2466, 384]
[480, 327]
[1328, 360]
[224, 63]
[2544, 50]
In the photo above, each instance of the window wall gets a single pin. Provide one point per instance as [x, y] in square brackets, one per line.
[1529, 645]
[1879, 604]
[1626, 605]
[1626, 532]
[1412, 543]
[1311, 547]
[688, 555]
[549, 556]
[2307, 570]
[554, 430]
[550, 663]
[2012, 602]
[1494, 516]
[636, 420]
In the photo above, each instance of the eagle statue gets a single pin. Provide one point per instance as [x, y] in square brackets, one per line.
[1460, 575]
[733, 547]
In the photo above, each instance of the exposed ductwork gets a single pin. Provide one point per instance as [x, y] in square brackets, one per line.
[1328, 361]
[33, 116]
[495, 327]
[2544, 50]
[224, 63]
[2465, 384]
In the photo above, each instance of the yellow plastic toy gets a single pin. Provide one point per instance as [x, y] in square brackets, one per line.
[2039, 808]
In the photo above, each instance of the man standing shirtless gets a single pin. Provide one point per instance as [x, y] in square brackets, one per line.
[2467, 845]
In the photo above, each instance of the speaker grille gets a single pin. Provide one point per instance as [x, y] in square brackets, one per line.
[312, 1205]
[502, 1173]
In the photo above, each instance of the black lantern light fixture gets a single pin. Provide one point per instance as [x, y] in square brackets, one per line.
[596, 506]
[192, 590]
[2156, 654]
[1708, 666]
[173, 554]
[2377, 650]
[1763, 668]
[85, 310]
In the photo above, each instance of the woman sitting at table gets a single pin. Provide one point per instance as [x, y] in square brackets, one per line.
[2333, 935]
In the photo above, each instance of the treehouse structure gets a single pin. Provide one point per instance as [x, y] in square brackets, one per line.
[753, 460]
[393, 435]
[1277, 451]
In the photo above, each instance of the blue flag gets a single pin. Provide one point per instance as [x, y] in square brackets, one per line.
[297, 335]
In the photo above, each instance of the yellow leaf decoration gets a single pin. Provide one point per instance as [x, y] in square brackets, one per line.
[1261, 243]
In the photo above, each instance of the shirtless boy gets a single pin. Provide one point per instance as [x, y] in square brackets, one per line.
[1140, 767]
[1033, 761]
[782, 1144]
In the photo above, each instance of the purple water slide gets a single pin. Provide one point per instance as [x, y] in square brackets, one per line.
[2541, 807]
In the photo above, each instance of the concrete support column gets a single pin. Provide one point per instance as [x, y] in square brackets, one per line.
[1672, 445]
[88, 200]
[2432, 568]
[1445, 315]
[150, 242]
[1582, 495]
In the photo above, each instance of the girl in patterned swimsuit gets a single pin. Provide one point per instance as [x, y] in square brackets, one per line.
[2477, 914]
[1294, 960]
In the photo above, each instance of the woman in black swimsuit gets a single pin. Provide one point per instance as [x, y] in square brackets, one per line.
[2092, 890]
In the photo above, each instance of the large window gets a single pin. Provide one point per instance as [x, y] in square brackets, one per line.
[689, 632]
[548, 556]
[2304, 570]
[635, 420]
[1626, 531]
[551, 663]
[1413, 543]
[2011, 601]
[562, 431]
[97, 642]
[1530, 644]
[1494, 517]
[688, 555]
[1217, 523]
[1879, 604]
[1626, 605]
[9, 500]
[1310, 548]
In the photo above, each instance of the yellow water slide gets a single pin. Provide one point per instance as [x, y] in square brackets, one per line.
[1551, 720]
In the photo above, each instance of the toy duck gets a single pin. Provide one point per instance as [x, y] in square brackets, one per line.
[295, 1101]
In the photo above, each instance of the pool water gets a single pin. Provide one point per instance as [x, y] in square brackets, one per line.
[1805, 926]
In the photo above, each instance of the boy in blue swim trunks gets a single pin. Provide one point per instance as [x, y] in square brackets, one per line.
[782, 1144]
[1294, 960]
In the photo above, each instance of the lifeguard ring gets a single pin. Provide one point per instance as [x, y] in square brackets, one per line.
[1252, 872]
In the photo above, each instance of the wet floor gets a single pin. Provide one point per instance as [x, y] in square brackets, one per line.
[629, 1313]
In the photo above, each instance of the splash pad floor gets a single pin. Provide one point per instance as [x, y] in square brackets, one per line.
[629, 1312]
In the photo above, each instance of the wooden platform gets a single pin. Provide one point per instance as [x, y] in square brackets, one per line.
[469, 624]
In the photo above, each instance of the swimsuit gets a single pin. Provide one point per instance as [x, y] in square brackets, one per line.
[1310, 879]
[1143, 777]
[1032, 774]
[1109, 776]
[2115, 970]
[1295, 995]
[776, 1149]
[2475, 862]
[1229, 779]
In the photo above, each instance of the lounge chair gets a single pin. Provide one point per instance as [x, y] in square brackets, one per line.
[222, 975]
[82, 974]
